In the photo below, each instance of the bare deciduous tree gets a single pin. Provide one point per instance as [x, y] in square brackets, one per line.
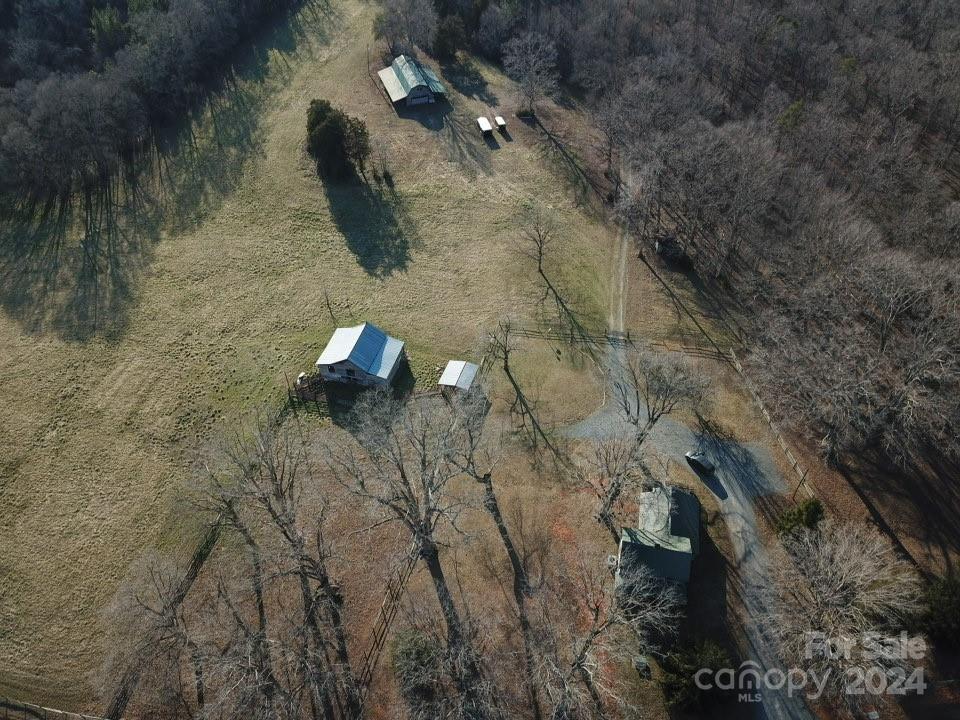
[531, 60]
[648, 386]
[577, 660]
[257, 630]
[400, 462]
[537, 237]
[407, 24]
[611, 467]
[269, 464]
[476, 456]
[522, 408]
[840, 583]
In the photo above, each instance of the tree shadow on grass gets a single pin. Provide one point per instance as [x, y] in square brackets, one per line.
[558, 151]
[920, 501]
[465, 77]
[72, 268]
[459, 134]
[71, 265]
[375, 223]
[200, 162]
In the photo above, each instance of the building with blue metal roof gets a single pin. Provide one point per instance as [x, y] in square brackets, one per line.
[363, 355]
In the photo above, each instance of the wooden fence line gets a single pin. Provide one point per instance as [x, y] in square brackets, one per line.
[791, 458]
[132, 675]
[16, 710]
[385, 617]
[614, 338]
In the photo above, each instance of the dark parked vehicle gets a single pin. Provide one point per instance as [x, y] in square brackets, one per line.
[699, 462]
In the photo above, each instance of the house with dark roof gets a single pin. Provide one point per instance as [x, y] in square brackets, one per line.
[407, 81]
[362, 355]
[667, 536]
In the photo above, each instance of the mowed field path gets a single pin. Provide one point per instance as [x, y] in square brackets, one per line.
[120, 358]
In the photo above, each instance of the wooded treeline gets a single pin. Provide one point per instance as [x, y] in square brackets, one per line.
[802, 157]
[85, 83]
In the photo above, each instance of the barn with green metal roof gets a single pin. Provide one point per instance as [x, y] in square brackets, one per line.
[408, 81]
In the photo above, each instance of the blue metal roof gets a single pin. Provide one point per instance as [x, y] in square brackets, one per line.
[386, 358]
[366, 346]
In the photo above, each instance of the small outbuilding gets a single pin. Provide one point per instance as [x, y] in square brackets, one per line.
[410, 83]
[485, 127]
[667, 537]
[362, 355]
[458, 375]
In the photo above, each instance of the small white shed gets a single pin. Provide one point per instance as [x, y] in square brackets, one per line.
[458, 375]
[485, 127]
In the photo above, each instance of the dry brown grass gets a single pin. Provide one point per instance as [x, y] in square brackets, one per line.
[229, 295]
[100, 430]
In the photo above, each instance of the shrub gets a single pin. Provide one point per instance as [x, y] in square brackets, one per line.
[418, 665]
[336, 141]
[107, 31]
[357, 143]
[790, 118]
[806, 514]
[941, 613]
[679, 685]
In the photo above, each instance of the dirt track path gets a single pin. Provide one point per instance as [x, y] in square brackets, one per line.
[745, 471]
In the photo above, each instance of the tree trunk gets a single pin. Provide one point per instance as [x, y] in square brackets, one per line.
[310, 617]
[521, 587]
[466, 672]
[197, 662]
[262, 647]
[605, 514]
[335, 609]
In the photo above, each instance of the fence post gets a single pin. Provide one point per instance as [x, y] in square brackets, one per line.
[803, 479]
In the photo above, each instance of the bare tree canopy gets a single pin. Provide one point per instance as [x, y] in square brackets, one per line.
[82, 84]
[401, 463]
[576, 659]
[531, 60]
[842, 583]
[262, 634]
[802, 163]
[649, 385]
[407, 24]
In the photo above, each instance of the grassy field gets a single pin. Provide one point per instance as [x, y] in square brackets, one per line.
[121, 356]
[124, 351]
